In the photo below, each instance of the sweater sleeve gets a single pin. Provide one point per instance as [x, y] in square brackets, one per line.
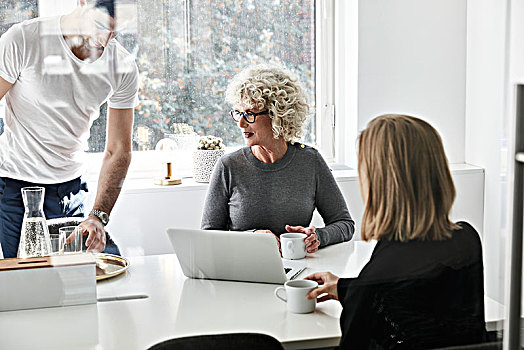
[330, 203]
[216, 206]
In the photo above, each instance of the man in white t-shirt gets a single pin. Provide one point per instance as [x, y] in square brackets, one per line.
[55, 74]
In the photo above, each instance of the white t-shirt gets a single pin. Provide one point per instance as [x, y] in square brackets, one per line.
[55, 99]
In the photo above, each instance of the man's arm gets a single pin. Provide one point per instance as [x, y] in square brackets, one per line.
[4, 87]
[112, 174]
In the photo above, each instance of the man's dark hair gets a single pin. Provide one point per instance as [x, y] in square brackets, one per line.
[108, 5]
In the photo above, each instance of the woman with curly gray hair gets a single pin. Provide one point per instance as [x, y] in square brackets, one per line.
[274, 184]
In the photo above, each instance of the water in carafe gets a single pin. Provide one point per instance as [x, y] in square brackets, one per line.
[34, 238]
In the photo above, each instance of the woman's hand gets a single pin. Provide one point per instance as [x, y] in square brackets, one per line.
[327, 285]
[312, 242]
[269, 231]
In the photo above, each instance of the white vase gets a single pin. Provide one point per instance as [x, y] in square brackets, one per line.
[204, 161]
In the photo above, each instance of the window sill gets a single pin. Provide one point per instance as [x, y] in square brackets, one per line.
[457, 168]
[146, 185]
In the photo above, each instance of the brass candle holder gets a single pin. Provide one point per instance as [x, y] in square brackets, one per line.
[168, 178]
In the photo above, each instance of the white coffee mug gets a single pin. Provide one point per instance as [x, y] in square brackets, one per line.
[293, 245]
[295, 297]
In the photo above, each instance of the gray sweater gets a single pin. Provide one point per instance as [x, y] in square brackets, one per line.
[246, 194]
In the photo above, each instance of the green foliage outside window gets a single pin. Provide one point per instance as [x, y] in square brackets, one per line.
[188, 50]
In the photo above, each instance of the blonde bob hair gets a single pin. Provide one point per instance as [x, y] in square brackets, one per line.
[276, 89]
[405, 181]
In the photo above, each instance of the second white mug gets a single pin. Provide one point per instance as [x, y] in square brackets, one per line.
[295, 297]
[293, 245]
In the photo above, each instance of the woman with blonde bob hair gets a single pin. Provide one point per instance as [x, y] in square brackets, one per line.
[423, 286]
[274, 184]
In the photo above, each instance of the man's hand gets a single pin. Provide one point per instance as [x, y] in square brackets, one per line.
[327, 285]
[312, 242]
[96, 241]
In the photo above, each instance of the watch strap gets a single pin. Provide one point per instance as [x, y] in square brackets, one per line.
[102, 216]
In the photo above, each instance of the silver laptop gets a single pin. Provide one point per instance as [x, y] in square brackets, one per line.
[232, 255]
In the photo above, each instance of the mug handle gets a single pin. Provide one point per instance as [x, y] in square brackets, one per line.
[290, 247]
[278, 296]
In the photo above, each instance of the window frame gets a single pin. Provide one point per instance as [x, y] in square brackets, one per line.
[346, 80]
[325, 73]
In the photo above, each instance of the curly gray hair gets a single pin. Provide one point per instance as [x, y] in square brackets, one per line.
[276, 89]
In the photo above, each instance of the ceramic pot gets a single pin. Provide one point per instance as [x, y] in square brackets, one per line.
[204, 161]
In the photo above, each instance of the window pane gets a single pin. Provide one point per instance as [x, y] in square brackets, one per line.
[14, 11]
[187, 51]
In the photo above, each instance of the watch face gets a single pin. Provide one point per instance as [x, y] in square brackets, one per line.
[101, 215]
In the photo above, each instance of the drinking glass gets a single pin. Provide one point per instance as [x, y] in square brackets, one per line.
[72, 239]
[57, 243]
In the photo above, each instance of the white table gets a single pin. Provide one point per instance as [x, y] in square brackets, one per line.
[169, 305]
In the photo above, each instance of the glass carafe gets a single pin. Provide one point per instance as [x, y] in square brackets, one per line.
[34, 238]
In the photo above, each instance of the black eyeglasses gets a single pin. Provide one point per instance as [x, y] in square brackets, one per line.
[250, 117]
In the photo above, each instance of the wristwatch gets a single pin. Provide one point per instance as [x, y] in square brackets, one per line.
[101, 215]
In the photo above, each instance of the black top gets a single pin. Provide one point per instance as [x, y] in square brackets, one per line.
[416, 295]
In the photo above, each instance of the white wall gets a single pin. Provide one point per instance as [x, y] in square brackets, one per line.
[515, 75]
[485, 132]
[144, 212]
[516, 71]
[442, 60]
[140, 218]
[411, 60]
